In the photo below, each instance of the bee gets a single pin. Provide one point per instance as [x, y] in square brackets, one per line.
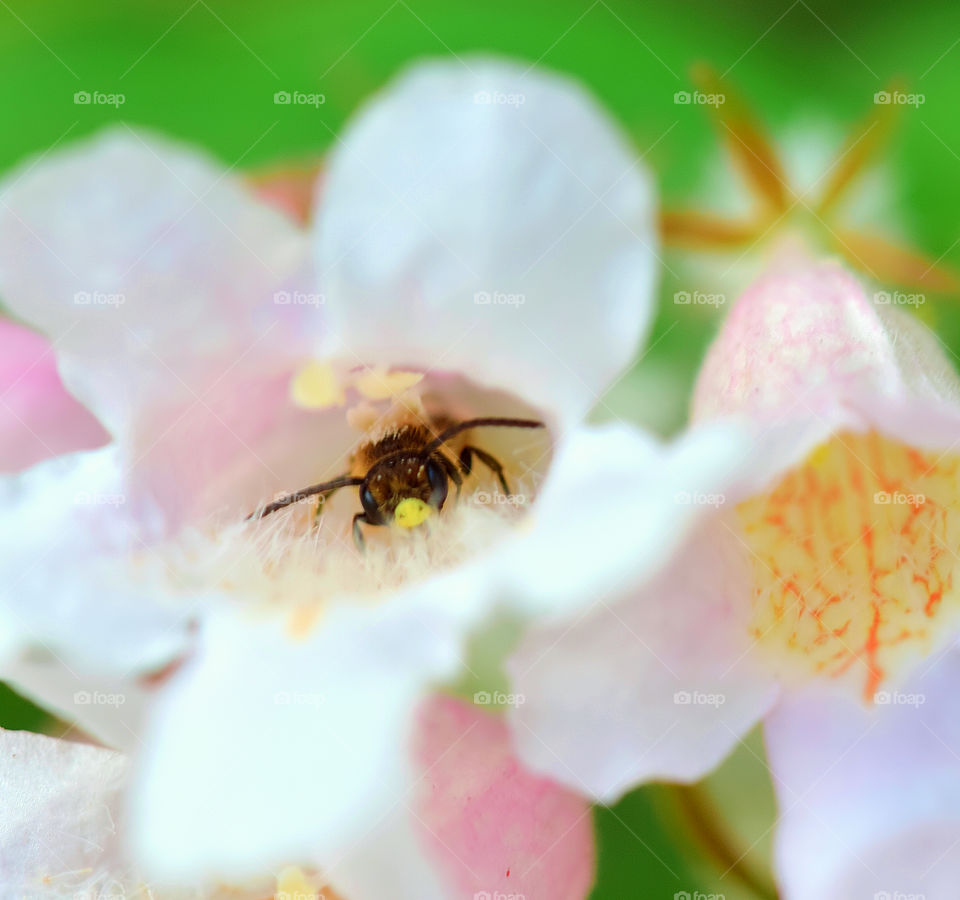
[405, 475]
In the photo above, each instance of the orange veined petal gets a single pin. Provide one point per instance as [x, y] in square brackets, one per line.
[853, 555]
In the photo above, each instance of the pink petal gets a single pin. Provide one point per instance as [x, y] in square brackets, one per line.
[492, 825]
[290, 189]
[38, 418]
[807, 352]
[241, 444]
[870, 798]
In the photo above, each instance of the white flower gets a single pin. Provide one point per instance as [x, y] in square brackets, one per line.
[184, 314]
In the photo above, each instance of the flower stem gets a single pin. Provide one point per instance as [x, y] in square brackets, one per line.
[702, 819]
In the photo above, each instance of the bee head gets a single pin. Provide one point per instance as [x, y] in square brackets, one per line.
[404, 488]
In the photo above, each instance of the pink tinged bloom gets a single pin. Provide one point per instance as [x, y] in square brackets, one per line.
[108, 250]
[852, 535]
[38, 418]
[816, 579]
[477, 821]
[499, 256]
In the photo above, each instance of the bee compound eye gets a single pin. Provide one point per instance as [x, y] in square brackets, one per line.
[370, 507]
[438, 484]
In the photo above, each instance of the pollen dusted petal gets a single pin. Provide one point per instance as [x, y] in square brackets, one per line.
[303, 619]
[293, 884]
[377, 384]
[853, 555]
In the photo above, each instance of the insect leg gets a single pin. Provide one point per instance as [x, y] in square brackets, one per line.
[491, 462]
[357, 533]
[452, 473]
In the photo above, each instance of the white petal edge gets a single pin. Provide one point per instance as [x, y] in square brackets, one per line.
[109, 710]
[151, 268]
[71, 539]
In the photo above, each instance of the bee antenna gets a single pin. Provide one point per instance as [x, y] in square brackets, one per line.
[322, 488]
[453, 430]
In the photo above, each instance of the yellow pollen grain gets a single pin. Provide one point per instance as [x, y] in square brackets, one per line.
[292, 884]
[377, 384]
[302, 620]
[411, 512]
[853, 556]
[316, 386]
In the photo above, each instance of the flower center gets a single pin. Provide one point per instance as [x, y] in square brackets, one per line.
[853, 554]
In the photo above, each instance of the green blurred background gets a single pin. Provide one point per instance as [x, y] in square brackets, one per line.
[206, 71]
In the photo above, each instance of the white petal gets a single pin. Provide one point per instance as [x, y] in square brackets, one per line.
[109, 710]
[72, 538]
[654, 681]
[58, 824]
[872, 796]
[616, 506]
[166, 287]
[88, 573]
[641, 593]
[270, 748]
[489, 219]
[150, 267]
[62, 830]
[388, 859]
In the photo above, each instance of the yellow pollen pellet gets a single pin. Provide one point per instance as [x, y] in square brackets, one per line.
[411, 512]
